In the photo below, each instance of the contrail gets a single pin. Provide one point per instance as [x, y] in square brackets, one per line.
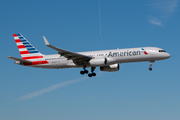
[50, 88]
[100, 23]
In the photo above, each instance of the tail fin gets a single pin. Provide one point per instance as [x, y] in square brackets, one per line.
[26, 49]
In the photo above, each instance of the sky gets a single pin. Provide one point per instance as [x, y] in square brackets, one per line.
[132, 93]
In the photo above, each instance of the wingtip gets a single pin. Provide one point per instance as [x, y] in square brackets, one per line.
[46, 41]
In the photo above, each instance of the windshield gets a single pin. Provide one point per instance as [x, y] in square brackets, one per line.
[162, 51]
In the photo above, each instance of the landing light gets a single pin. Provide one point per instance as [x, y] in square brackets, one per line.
[17, 62]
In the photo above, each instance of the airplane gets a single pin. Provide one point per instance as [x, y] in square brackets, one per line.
[107, 60]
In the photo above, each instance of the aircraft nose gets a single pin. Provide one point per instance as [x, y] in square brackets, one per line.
[168, 55]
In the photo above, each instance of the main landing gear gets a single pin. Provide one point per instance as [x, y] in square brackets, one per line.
[92, 72]
[86, 72]
[150, 67]
[82, 72]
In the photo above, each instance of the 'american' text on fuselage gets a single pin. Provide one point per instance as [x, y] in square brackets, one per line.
[125, 53]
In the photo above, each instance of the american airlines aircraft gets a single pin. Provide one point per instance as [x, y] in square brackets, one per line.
[107, 60]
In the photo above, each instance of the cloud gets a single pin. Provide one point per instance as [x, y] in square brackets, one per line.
[163, 9]
[154, 20]
[50, 88]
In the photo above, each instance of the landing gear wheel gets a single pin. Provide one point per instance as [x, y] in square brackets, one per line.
[90, 75]
[151, 64]
[86, 71]
[82, 72]
[93, 74]
[150, 68]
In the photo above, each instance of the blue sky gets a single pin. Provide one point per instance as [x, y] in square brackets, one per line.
[132, 93]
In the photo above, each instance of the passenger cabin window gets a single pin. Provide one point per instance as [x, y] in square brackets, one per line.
[162, 51]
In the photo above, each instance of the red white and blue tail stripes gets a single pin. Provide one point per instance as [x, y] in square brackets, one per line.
[27, 50]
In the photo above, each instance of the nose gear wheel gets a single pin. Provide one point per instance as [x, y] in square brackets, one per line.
[150, 67]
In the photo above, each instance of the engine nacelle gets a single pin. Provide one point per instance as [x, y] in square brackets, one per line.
[110, 61]
[110, 68]
[97, 62]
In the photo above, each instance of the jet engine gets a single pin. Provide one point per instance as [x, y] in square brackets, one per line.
[98, 62]
[110, 68]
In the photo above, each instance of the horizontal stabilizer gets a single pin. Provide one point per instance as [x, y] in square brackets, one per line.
[18, 59]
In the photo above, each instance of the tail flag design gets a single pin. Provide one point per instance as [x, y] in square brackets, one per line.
[27, 50]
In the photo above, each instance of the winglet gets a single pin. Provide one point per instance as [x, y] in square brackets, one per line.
[46, 42]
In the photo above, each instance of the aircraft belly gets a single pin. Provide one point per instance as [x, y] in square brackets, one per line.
[56, 64]
[62, 64]
[135, 59]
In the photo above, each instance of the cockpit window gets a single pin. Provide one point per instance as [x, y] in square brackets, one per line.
[162, 51]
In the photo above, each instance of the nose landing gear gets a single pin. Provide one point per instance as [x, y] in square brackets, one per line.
[150, 67]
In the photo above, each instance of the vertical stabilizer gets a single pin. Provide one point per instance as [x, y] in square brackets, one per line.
[26, 49]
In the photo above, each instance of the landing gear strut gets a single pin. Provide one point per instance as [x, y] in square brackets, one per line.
[150, 67]
[92, 70]
[85, 71]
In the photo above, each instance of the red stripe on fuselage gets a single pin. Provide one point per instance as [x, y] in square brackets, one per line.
[36, 63]
[24, 52]
[32, 57]
[21, 46]
[39, 62]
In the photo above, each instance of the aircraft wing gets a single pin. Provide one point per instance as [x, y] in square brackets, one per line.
[68, 54]
[18, 59]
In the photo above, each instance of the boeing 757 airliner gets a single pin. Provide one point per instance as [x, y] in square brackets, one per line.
[107, 60]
